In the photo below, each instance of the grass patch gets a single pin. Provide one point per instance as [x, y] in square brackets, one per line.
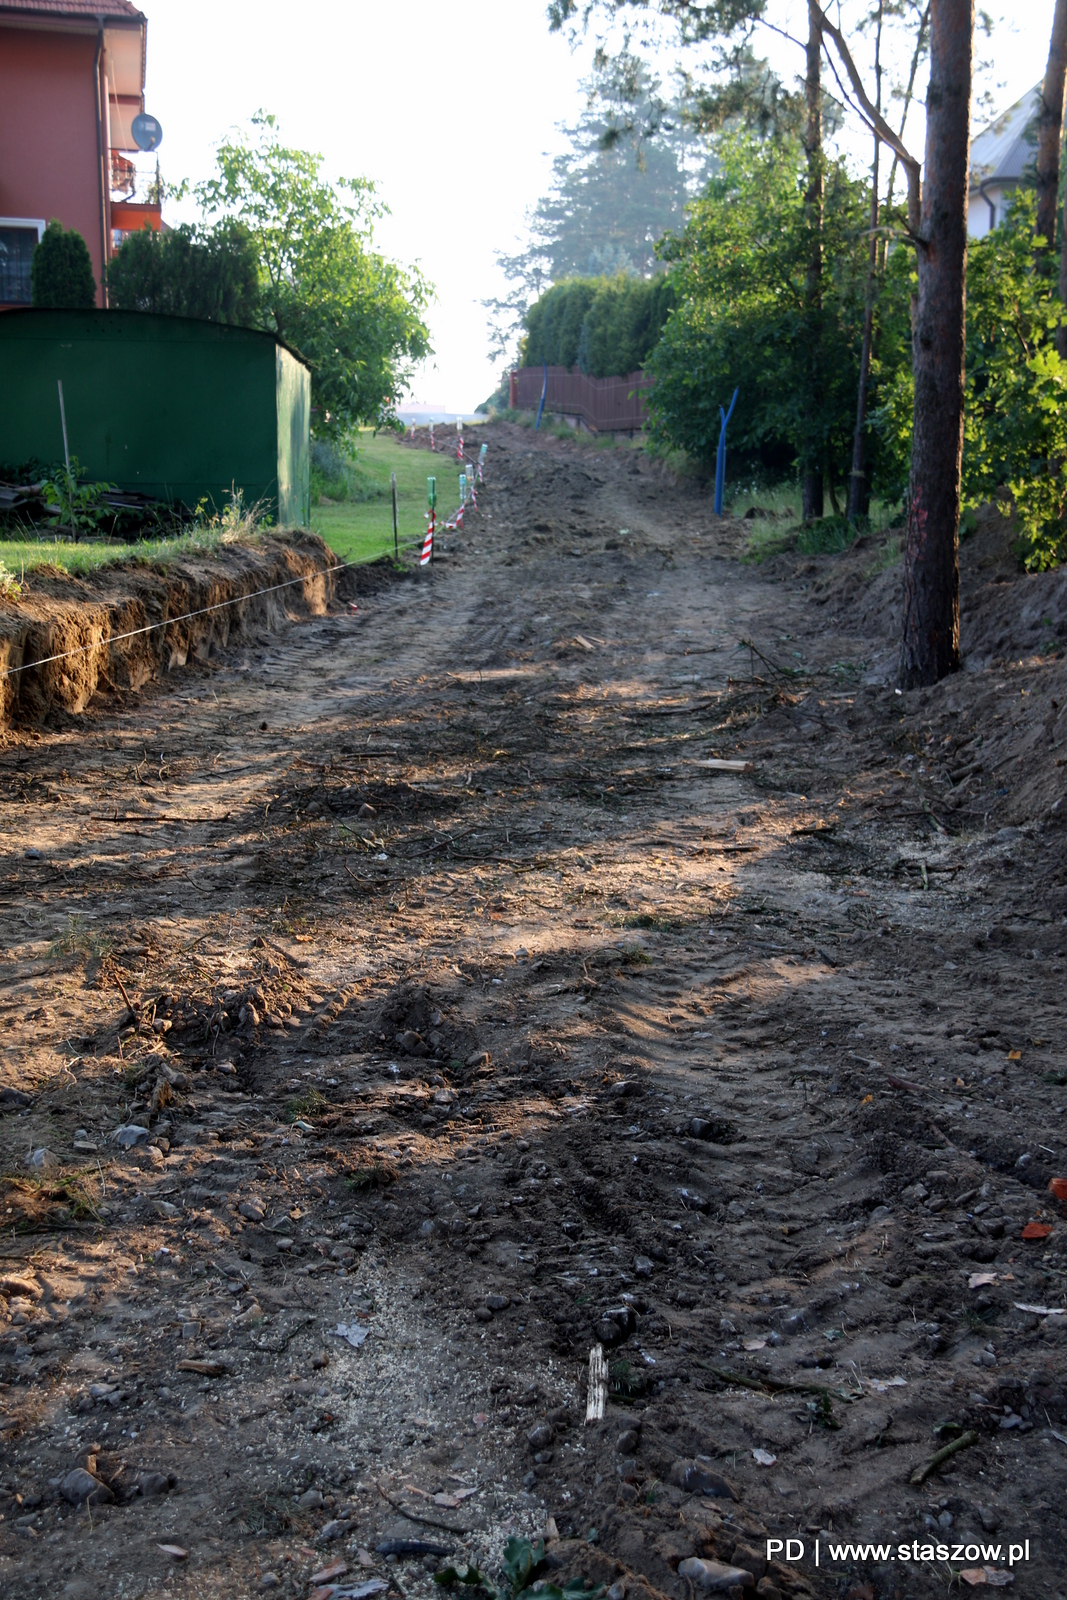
[41, 1204]
[80, 939]
[626, 1381]
[361, 529]
[237, 524]
[776, 527]
[370, 1175]
[634, 956]
[312, 1104]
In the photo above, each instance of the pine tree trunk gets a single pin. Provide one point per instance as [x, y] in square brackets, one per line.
[1050, 129]
[811, 462]
[931, 643]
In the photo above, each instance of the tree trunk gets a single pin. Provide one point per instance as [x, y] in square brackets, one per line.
[931, 643]
[859, 494]
[812, 463]
[1050, 130]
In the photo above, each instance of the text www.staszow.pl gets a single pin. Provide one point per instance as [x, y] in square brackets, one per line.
[793, 1551]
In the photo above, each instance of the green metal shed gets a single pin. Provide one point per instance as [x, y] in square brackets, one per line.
[171, 407]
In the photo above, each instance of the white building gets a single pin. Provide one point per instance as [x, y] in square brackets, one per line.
[1000, 157]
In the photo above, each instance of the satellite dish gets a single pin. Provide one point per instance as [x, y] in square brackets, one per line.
[147, 131]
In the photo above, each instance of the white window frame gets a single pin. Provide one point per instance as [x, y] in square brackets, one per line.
[25, 222]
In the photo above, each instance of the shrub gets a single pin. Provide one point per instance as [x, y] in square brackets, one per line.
[61, 273]
[210, 273]
[605, 326]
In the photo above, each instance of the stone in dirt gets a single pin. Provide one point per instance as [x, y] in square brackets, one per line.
[336, 1569]
[616, 1325]
[80, 1488]
[750, 1560]
[696, 1478]
[12, 1285]
[149, 1483]
[714, 1575]
[129, 1135]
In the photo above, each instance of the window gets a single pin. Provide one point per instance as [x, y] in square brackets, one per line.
[18, 240]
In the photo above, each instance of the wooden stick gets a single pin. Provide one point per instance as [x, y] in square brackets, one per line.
[413, 1516]
[597, 1392]
[964, 1442]
[125, 996]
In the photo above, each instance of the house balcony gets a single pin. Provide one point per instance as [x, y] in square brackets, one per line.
[123, 175]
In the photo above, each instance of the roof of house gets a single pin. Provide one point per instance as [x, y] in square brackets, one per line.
[75, 10]
[1005, 149]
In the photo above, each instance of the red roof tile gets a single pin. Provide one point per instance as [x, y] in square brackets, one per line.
[110, 10]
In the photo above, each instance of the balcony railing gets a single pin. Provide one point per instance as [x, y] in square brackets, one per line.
[123, 174]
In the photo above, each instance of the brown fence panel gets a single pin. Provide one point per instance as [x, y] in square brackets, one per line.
[604, 404]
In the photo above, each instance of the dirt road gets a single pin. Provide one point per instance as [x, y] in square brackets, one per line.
[449, 994]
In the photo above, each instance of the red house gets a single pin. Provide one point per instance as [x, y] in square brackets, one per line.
[71, 82]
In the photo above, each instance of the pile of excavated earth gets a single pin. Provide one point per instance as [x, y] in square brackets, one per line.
[573, 958]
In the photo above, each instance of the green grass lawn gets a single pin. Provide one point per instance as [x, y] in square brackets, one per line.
[359, 530]
[19, 556]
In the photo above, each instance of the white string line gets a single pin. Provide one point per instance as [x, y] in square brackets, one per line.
[220, 605]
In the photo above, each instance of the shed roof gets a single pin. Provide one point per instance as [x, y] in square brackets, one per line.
[131, 327]
[1005, 149]
[74, 10]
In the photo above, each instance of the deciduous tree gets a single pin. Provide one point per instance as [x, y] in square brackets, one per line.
[354, 315]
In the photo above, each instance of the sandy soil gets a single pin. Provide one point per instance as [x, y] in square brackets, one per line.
[469, 1009]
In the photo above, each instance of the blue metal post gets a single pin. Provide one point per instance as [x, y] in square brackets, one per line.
[720, 455]
[544, 391]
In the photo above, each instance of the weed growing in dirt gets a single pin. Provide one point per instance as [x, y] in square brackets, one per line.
[40, 1204]
[371, 1175]
[634, 956]
[646, 919]
[625, 1381]
[235, 523]
[522, 1563]
[821, 1411]
[80, 940]
[311, 1104]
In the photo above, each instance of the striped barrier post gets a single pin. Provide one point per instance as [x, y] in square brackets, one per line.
[431, 517]
[481, 463]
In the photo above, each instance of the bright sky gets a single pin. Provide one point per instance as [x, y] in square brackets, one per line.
[452, 110]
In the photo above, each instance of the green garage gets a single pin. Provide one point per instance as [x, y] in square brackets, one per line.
[169, 407]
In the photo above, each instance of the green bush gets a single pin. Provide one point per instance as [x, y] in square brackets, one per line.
[741, 319]
[61, 272]
[210, 273]
[1015, 416]
[607, 327]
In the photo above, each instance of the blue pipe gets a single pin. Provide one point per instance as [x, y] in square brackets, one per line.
[720, 455]
[544, 391]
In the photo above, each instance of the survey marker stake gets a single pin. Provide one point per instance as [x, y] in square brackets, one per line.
[431, 497]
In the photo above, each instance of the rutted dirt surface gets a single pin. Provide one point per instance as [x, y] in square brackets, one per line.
[469, 1013]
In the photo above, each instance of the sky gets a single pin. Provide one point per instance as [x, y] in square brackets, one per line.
[452, 110]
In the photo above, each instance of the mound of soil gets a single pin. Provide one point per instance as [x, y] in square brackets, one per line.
[66, 638]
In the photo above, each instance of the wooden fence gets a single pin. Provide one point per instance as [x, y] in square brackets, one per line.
[605, 405]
